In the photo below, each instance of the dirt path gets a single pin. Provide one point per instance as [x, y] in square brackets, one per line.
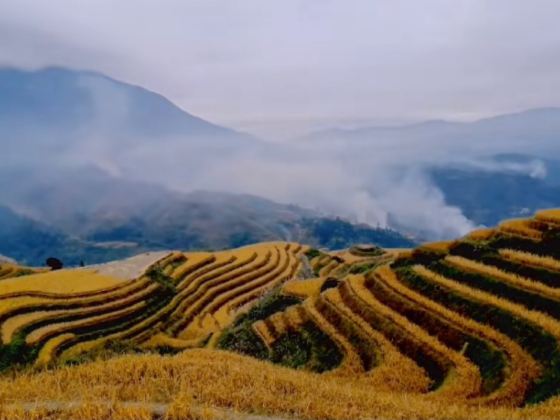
[129, 268]
[306, 271]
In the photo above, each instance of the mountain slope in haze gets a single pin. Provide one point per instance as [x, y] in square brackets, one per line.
[487, 195]
[85, 160]
[31, 242]
[539, 125]
[71, 102]
[491, 169]
[99, 218]
[62, 125]
[546, 168]
[186, 226]
[211, 220]
[58, 116]
[22, 237]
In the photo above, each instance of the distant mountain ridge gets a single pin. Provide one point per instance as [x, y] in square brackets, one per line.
[530, 123]
[61, 98]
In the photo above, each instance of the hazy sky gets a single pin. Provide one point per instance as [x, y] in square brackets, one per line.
[275, 68]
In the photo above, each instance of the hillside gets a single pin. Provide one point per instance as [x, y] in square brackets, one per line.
[96, 169]
[491, 169]
[487, 195]
[74, 103]
[30, 242]
[99, 218]
[458, 330]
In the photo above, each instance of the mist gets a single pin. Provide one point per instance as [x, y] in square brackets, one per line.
[378, 176]
[341, 107]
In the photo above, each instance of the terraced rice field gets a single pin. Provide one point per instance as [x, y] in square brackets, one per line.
[463, 329]
[472, 321]
[9, 270]
[186, 298]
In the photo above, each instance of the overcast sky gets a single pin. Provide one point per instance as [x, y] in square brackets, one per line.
[275, 68]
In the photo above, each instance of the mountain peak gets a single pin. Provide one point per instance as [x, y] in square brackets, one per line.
[68, 97]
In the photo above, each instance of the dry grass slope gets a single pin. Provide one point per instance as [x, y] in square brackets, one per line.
[465, 329]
